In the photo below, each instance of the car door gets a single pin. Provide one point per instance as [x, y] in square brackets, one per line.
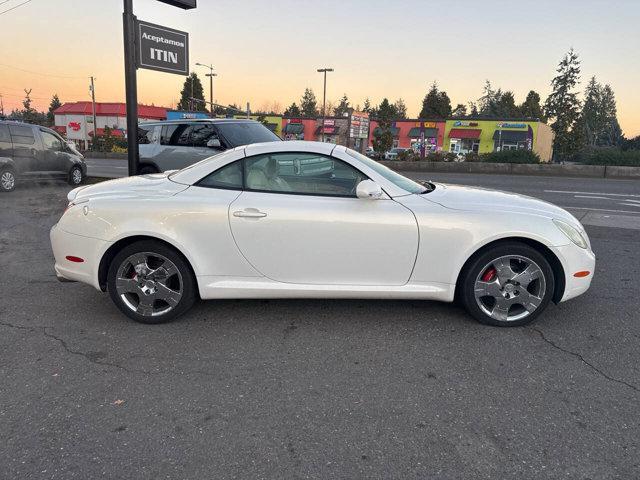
[298, 220]
[26, 148]
[53, 157]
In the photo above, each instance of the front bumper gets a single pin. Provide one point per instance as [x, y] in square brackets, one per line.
[90, 250]
[575, 259]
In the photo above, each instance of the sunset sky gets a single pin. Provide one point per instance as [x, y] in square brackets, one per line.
[267, 52]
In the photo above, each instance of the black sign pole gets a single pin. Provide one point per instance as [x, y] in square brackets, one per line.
[131, 85]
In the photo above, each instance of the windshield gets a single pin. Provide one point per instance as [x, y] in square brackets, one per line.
[387, 173]
[241, 133]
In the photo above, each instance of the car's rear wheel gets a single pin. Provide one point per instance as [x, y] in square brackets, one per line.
[7, 180]
[508, 285]
[147, 170]
[150, 282]
[75, 176]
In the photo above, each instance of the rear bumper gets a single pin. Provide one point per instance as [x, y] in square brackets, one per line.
[575, 259]
[90, 250]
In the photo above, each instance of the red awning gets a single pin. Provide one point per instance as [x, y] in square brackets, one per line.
[114, 133]
[464, 133]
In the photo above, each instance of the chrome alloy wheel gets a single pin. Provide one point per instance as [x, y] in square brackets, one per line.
[76, 176]
[510, 288]
[8, 180]
[149, 284]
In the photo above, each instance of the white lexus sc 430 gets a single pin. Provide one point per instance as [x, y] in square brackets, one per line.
[316, 220]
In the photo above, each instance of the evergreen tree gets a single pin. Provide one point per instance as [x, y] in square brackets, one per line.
[382, 136]
[343, 107]
[489, 102]
[473, 109]
[55, 104]
[401, 109]
[308, 104]
[563, 107]
[192, 88]
[459, 111]
[367, 105]
[598, 119]
[611, 133]
[531, 107]
[506, 106]
[292, 111]
[436, 104]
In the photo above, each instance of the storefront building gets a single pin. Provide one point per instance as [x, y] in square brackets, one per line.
[75, 119]
[407, 133]
[484, 136]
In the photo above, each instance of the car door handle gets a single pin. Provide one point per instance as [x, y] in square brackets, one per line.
[249, 213]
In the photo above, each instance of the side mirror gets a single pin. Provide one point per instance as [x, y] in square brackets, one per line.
[214, 143]
[369, 189]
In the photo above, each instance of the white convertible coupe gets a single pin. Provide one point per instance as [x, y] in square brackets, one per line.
[316, 220]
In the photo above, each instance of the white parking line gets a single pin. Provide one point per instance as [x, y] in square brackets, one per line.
[596, 198]
[594, 193]
[598, 209]
[630, 204]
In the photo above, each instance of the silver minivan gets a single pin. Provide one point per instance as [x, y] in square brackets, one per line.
[175, 144]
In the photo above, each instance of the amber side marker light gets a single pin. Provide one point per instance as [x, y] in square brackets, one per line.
[583, 273]
[71, 258]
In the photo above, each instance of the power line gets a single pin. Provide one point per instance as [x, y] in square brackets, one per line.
[40, 73]
[13, 8]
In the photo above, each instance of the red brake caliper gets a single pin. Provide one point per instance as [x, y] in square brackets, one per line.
[489, 274]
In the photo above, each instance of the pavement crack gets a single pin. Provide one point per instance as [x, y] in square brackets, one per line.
[583, 360]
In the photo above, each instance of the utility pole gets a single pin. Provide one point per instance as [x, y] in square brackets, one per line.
[131, 83]
[93, 110]
[248, 111]
[210, 75]
[1, 107]
[324, 96]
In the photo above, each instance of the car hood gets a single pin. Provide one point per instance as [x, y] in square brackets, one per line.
[154, 185]
[461, 197]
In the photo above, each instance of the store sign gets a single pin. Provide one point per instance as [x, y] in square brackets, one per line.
[161, 48]
[359, 125]
[459, 123]
[512, 125]
[427, 124]
[329, 122]
[75, 126]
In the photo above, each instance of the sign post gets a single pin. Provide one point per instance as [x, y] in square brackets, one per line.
[153, 47]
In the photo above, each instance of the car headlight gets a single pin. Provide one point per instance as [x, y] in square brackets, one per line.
[572, 233]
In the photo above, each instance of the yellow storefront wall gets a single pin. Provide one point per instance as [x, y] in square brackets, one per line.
[489, 127]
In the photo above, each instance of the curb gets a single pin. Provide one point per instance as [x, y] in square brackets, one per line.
[549, 170]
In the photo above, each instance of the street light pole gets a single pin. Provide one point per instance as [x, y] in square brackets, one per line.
[210, 75]
[324, 96]
[93, 110]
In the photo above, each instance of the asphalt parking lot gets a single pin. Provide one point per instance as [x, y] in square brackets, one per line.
[320, 389]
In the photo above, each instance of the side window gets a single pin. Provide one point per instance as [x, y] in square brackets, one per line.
[4, 134]
[178, 135]
[202, 133]
[22, 135]
[301, 173]
[146, 134]
[51, 142]
[229, 177]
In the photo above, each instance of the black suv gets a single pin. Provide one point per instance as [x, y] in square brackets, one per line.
[175, 144]
[32, 151]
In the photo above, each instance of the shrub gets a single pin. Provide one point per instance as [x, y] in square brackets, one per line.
[510, 156]
[408, 156]
[609, 156]
[435, 156]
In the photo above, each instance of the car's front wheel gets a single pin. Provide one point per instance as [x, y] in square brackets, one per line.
[75, 176]
[150, 282]
[507, 285]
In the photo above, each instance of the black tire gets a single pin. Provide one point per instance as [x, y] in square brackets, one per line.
[75, 177]
[147, 170]
[7, 180]
[188, 283]
[478, 264]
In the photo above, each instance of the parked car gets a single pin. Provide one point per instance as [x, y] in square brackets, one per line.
[393, 153]
[370, 152]
[32, 151]
[246, 224]
[175, 144]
